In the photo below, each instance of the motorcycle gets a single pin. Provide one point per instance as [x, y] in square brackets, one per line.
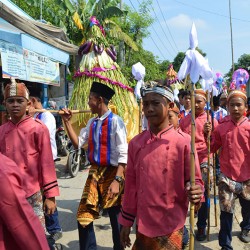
[77, 158]
[61, 141]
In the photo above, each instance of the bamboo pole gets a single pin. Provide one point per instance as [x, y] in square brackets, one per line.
[214, 167]
[61, 112]
[192, 167]
[208, 173]
[140, 115]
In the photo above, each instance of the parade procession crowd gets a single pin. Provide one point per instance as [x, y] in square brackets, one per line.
[145, 182]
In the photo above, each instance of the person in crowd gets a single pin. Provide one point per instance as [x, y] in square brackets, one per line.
[223, 101]
[201, 148]
[26, 141]
[232, 137]
[219, 112]
[186, 96]
[181, 104]
[51, 221]
[20, 228]
[157, 184]
[107, 153]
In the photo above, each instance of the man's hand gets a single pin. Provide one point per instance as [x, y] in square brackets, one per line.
[67, 114]
[194, 193]
[124, 237]
[113, 189]
[49, 205]
[207, 128]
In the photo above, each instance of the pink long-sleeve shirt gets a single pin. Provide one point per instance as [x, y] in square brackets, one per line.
[200, 141]
[158, 169]
[27, 143]
[234, 141]
[20, 228]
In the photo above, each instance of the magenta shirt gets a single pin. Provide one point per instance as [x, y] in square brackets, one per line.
[157, 170]
[27, 143]
[234, 141]
[200, 141]
[20, 228]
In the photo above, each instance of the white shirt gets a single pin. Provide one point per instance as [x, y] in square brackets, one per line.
[220, 113]
[118, 138]
[49, 120]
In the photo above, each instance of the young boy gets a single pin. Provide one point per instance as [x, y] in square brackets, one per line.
[19, 226]
[186, 97]
[26, 141]
[107, 153]
[232, 136]
[157, 184]
[201, 148]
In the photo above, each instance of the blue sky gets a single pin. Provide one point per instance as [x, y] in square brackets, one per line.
[213, 29]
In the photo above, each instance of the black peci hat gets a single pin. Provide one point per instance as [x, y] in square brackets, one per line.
[102, 89]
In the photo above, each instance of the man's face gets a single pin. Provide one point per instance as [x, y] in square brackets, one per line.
[237, 108]
[155, 108]
[16, 107]
[187, 101]
[173, 118]
[199, 104]
[93, 103]
[223, 102]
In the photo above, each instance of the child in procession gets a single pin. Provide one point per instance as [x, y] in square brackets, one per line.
[157, 185]
[232, 136]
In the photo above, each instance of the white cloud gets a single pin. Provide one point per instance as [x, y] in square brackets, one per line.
[183, 21]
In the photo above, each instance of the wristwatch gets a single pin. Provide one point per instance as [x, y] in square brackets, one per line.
[118, 178]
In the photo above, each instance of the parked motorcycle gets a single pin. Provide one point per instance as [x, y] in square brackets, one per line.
[77, 158]
[61, 141]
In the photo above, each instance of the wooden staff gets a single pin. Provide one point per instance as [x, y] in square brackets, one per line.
[214, 167]
[140, 115]
[60, 112]
[208, 174]
[192, 166]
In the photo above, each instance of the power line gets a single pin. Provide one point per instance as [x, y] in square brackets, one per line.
[211, 12]
[158, 35]
[162, 28]
[167, 24]
[151, 36]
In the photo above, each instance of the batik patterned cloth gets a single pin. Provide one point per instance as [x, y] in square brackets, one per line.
[205, 175]
[36, 201]
[94, 197]
[172, 241]
[229, 190]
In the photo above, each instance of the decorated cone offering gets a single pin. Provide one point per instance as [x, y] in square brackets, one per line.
[195, 66]
[98, 63]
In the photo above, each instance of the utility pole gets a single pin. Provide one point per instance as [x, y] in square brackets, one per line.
[41, 10]
[231, 31]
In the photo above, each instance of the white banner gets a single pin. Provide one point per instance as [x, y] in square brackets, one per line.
[27, 65]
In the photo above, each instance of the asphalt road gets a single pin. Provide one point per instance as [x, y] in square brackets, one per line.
[71, 190]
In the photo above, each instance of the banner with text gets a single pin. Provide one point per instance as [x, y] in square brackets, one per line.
[27, 65]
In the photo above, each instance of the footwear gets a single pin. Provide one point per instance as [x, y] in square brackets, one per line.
[55, 236]
[244, 236]
[201, 234]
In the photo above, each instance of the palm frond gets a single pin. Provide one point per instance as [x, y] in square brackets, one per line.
[77, 20]
[111, 11]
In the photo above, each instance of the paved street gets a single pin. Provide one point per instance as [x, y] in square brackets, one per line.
[71, 190]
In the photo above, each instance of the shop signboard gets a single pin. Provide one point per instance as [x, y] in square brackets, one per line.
[27, 65]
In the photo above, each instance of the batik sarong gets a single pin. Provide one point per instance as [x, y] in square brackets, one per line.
[168, 242]
[36, 201]
[94, 197]
[229, 190]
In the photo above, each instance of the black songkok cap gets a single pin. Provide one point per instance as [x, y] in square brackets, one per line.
[102, 89]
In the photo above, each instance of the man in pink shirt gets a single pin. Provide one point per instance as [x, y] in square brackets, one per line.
[19, 226]
[157, 184]
[201, 148]
[232, 136]
[26, 141]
